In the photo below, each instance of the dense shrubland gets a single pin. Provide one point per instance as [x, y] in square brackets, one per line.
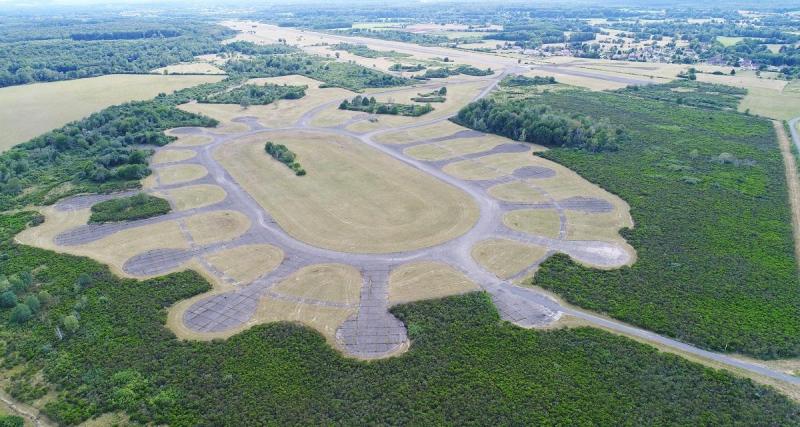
[521, 80]
[691, 93]
[371, 105]
[713, 232]
[251, 94]
[120, 357]
[138, 206]
[539, 123]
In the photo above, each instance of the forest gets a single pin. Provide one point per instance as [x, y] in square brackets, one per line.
[74, 50]
[464, 366]
[363, 50]
[138, 206]
[715, 254]
[539, 123]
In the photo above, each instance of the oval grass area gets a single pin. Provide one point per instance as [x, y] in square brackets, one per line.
[353, 199]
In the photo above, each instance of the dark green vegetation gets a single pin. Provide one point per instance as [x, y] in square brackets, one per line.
[713, 231]
[138, 206]
[282, 154]
[444, 72]
[406, 67]
[396, 35]
[59, 49]
[250, 94]
[520, 80]
[523, 120]
[11, 421]
[334, 74]
[370, 105]
[691, 93]
[363, 50]
[464, 366]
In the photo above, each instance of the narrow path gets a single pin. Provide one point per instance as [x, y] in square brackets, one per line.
[792, 184]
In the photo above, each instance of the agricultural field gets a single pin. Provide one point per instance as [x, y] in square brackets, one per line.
[30, 110]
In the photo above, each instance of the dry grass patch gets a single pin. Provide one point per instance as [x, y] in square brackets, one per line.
[247, 262]
[180, 173]
[291, 80]
[492, 166]
[600, 226]
[333, 116]
[354, 198]
[455, 147]
[336, 283]
[216, 226]
[169, 156]
[326, 320]
[30, 110]
[506, 258]
[517, 192]
[580, 81]
[425, 280]
[436, 130]
[281, 113]
[195, 196]
[539, 222]
[188, 140]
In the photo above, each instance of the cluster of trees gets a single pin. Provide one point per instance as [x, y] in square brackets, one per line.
[122, 358]
[16, 295]
[688, 174]
[138, 206]
[444, 72]
[334, 74]
[689, 92]
[250, 94]
[521, 80]
[404, 67]
[366, 52]
[11, 421]
[371, 105]
[282, 154]
[539, 123]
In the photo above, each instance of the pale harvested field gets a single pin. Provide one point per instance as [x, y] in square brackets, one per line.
[195, 196]
[435, 130]
[216, 226]
[425, 280]
[539, 222]
[493, 166]
[180, 173]
[517, 191]
[247, 262]
[337, 283]
[30, 110]
[506, 258]
[190, 68]
[354, 198]
[168, 156]
[455, 147]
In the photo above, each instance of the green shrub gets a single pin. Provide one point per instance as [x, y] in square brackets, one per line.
[138, 206]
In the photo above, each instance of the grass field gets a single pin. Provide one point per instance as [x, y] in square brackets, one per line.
[506, 258]
[426, 280]
[30, 110]
[353, 199]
